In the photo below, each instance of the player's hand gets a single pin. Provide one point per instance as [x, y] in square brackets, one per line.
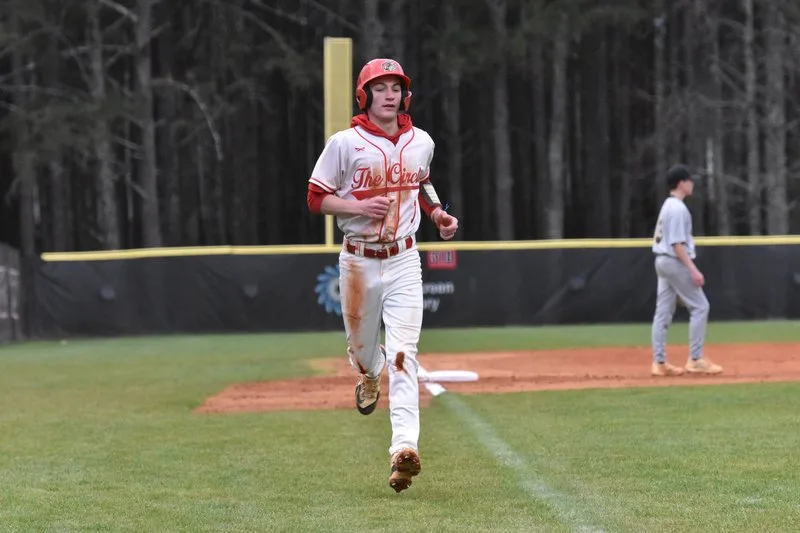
[698, 278]
[375, 207]
[447, 224]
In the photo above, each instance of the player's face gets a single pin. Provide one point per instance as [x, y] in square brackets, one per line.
[688, 187]
[386, 94]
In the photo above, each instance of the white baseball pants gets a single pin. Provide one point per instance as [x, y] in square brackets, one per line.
[390, 290]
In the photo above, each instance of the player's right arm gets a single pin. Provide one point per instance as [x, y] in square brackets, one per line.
[375, 207]
[325, 181]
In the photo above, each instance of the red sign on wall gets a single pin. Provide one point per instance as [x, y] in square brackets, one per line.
[441, 259]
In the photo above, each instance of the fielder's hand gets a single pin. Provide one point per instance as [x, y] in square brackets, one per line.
[447, 224]
[375, 207]
[698, 278]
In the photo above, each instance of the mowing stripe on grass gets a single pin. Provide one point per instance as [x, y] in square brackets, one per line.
[568, 511]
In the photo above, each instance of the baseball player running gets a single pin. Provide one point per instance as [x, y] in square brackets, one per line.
[678, 277]
[374, 177]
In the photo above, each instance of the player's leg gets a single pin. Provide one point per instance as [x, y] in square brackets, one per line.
[694, 298]
[360, 293]
[402, 318]
[662, 318]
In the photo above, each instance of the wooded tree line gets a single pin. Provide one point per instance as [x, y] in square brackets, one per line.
[130, 123]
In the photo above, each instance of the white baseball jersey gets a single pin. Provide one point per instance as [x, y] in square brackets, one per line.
[674, 226]
[356, 164]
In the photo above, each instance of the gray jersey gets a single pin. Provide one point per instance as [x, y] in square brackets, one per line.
[674, 226]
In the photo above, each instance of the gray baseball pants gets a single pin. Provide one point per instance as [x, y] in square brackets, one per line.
[674, 281]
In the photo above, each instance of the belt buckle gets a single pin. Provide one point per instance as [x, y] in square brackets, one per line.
[381, 253]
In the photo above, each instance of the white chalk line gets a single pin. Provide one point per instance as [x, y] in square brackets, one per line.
[568, 511]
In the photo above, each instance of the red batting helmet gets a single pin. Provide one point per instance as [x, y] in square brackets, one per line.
[375, 69]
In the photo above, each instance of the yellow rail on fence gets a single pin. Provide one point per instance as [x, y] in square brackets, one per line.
[477, 246]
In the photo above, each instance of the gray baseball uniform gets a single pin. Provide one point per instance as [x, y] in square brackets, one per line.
[674, 226]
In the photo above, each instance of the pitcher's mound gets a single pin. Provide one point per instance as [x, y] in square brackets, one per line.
[515, 372]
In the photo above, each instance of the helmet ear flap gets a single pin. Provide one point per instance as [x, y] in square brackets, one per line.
[364, 98]
[405, 99]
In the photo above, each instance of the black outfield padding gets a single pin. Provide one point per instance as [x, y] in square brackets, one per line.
[240, 293]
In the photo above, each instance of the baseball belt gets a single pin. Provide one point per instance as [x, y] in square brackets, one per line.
[381, 253]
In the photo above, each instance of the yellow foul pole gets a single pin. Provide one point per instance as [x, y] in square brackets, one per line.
[338, 97]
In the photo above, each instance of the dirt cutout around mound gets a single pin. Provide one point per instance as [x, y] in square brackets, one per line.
[501, 372]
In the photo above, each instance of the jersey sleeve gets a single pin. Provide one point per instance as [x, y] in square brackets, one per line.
[427, 176]
[676, 223]
[327, 172]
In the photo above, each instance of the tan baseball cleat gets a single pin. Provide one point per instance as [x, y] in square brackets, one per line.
[368, 391]
[702, 366]
[665, 369]
[405, 465]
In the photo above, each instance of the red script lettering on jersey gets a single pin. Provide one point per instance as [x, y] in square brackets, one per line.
[366, 184]
[364, 179]
[402, 177]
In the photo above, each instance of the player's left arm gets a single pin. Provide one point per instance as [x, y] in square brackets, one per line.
[432, 206]
[430, 203]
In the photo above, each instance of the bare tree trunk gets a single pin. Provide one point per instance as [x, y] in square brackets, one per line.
[678, 118]
[59, 191]
[485, 138]
[372, 32]
[60, 221]
[24, 163]
[206, 210]
[558, 125]
[131, 229]
[107, 213]
[151, 219]
[169, 153]
[540, 134]
[753, 158]
[695, 123]
[661, 120]
[717, 169]
[574, 148]
[622, 84]
[598, 168]
[398, 9]
[775, 128]
[25, 170]
[451, 104]
[504, 180]
[272, 200]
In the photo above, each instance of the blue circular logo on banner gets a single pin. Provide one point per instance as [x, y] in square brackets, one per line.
[327, 290]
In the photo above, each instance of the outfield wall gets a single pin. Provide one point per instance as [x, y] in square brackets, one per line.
[10, 282]
[231, 289]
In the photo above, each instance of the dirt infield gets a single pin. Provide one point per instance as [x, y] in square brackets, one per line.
[501, 372]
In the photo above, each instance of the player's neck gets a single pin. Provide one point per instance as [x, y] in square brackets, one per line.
[389, 126]
[677, 194]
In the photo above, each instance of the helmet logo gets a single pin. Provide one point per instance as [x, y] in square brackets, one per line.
[389, 66]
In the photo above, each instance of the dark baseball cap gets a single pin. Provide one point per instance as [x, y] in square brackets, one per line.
[678, 173]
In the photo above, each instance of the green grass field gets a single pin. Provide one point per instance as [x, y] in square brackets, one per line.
[100, 436]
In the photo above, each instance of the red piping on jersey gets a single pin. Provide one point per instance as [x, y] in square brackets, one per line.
[385, 169]
[321, 185]
[397, 219]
